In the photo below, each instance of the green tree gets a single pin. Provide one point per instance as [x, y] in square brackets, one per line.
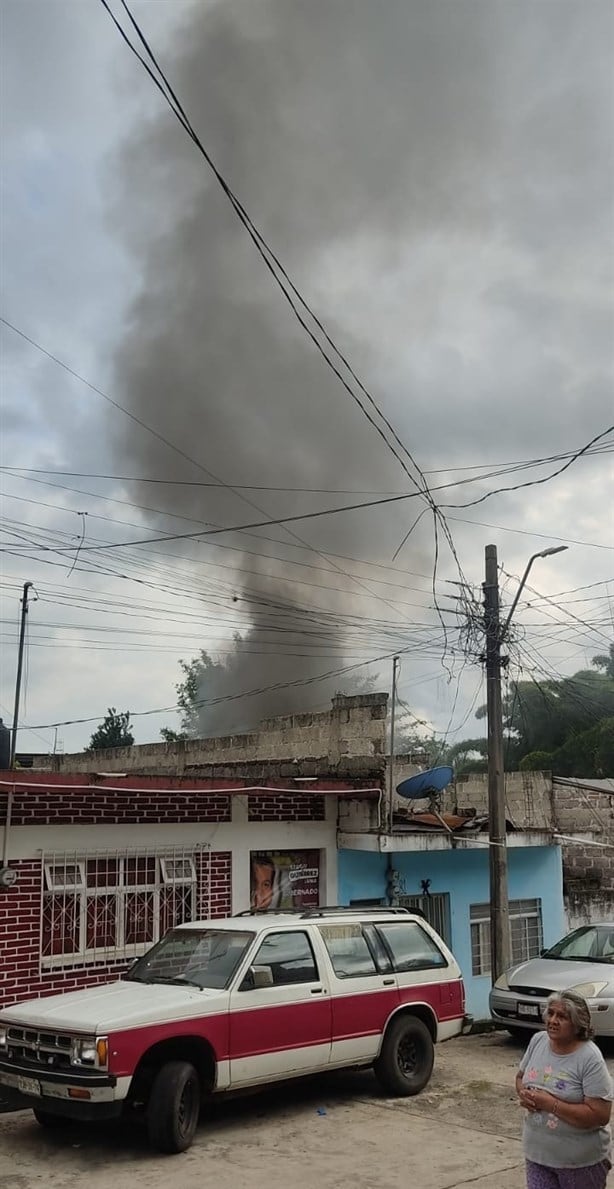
[565, 726]
[207, 682]
[542, 716]
[171, 736]
[114, 731]
[605, 662]
[586, 753]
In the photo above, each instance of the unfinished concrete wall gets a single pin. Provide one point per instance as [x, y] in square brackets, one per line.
[528, 798]
[354, 726]
[588, 864]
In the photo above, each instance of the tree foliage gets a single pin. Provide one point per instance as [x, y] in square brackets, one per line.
[207, 682]
[606, 662]
[589, 753]
[114, 731]
[171, 736]
[565, 726]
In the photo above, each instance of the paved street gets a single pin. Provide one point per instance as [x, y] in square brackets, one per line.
[329, 1133]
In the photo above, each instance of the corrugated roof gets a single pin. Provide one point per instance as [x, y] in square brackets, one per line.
[588, 783]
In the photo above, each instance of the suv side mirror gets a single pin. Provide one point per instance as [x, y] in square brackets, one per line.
[257, 976]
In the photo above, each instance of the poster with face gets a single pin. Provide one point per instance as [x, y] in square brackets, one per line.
[284, 879]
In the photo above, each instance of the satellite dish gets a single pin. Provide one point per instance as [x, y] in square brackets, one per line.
[425, 783]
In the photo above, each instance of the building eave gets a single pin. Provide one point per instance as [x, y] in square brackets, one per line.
[398, 843]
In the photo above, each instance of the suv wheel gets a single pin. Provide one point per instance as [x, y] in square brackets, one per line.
[46, 1119]
[405, 1063]
[173, 1107]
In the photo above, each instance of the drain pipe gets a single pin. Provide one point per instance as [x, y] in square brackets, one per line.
[8, 875]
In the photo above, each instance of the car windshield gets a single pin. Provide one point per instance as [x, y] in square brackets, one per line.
[193, 957]
[591, 943]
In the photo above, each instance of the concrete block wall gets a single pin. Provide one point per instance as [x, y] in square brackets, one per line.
[354, 726]
[528, 798]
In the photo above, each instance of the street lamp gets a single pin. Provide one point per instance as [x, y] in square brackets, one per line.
[495, 634]
[544, 553]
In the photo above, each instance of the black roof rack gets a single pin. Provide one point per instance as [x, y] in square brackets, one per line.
[272, 912]
[343, 910]
[330, 910]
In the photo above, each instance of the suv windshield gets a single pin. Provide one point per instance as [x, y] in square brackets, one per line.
[591, 943]
[193, 957]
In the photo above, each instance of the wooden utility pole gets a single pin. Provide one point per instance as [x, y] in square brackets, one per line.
[393, 709]
[22, 636]
[499, 902]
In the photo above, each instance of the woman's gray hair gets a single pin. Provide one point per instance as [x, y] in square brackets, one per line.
[577, 1009]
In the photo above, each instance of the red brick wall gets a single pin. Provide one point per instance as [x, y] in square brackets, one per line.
[49, 806]
[214, 884]
[285, 807]
[20, 924]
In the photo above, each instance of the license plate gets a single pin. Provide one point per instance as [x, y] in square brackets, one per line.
[529, 1009]
[28, 1086]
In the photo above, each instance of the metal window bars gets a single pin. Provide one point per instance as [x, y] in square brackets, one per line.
[106, 907]
[525, 927]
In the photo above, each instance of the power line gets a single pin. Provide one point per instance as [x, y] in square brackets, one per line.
[264, 689]
[288, 289]
[535, 482]
[499, 468]
[182, 453]
[237, 528]
[502, 528]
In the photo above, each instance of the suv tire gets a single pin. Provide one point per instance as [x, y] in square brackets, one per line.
[46, 1119]
[173, 1107]
[405, 1063]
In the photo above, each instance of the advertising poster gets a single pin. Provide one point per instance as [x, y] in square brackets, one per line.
[285, 879]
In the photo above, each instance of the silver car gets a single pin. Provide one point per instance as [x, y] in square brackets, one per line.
[583, 961]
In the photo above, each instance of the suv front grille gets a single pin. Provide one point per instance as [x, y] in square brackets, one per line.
[29, 1047]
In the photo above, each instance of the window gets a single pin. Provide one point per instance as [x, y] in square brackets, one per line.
[591, 943]
[289, 957]
[348, 950]
[112, 906]
[526, 933]
[435, 908]
[200, 957]
[411, 947]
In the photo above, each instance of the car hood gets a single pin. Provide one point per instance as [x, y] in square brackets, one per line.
[115, 1006]
[558, 974]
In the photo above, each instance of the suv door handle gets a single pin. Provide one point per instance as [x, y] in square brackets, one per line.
[317, 990]
[388, 982]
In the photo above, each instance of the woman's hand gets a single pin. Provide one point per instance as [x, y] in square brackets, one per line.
[538, 1100]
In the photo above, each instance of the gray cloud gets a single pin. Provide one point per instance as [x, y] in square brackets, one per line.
[437, 177]
[453, 158]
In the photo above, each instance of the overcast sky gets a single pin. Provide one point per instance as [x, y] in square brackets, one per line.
[438, 180]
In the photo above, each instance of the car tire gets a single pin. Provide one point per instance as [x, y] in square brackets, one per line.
[519, 1033]
[173, 1108]
[405, 1063]
[46, 1119]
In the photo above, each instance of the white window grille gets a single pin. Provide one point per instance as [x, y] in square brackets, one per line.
[525, 929]
[113, 905]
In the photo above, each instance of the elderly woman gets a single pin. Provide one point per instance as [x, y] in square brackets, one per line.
[564, 1085]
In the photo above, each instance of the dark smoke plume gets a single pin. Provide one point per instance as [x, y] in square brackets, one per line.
[355, 134]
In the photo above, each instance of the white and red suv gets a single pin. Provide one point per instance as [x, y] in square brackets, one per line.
[218, 1006]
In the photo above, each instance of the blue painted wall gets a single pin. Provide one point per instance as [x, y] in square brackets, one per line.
[534, 873]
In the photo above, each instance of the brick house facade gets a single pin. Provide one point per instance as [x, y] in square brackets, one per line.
[103, 866]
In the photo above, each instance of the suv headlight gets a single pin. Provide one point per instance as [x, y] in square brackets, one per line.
[589, 990]
[90, 1051]
[4, 1037]
[502, 983]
